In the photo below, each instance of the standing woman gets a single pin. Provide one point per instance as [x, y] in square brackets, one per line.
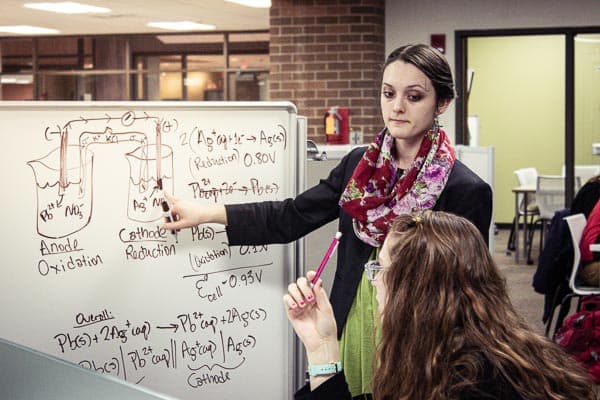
[410, 166]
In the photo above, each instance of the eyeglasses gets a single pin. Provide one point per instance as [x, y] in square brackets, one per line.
[372, 268]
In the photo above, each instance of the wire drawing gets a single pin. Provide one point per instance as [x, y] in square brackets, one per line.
[64, 176]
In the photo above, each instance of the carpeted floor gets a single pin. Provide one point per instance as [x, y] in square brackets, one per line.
[519, 277]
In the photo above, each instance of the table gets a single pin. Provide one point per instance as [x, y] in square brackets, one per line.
[524, 190]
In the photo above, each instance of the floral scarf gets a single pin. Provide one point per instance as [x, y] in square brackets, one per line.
[375, 194]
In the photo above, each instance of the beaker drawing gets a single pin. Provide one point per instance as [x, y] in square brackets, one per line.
[144, 201]
[64, 190]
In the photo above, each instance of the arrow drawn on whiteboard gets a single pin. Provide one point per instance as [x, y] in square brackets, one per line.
[210, 368]
[171, 326]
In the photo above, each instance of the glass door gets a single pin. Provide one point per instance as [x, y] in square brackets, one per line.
[516, 104]
[587, 105]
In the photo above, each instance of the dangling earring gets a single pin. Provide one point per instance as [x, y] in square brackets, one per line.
[436, 124]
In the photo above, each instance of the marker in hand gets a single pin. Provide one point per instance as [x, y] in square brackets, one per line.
[326, 257]
[167, 214]
[165, 205]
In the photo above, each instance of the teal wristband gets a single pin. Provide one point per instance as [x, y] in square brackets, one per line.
[325, 369]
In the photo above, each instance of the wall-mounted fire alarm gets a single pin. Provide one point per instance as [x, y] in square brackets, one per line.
[438, 41]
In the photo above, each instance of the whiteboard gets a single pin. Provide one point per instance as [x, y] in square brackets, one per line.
[89, 276]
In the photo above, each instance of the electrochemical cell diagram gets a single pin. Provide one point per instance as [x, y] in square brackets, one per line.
[64, 177]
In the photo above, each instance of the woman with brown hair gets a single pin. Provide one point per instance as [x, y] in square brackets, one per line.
[448, 328]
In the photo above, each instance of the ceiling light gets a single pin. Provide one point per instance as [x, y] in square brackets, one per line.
[249, 37]
[25, 80]
[199, 38]
[16, 79]
[182, 26]
[587, 39]
[252, 3]
[67, 7]
[28, 30]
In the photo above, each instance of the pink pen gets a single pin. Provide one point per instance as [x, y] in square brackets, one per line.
[326, 257]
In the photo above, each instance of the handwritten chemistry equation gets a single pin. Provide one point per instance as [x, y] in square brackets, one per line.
[208, 353]
[218, 340]
[64, 176]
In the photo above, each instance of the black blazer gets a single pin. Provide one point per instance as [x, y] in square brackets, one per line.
[267, 222]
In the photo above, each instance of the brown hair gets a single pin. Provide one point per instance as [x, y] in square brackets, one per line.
[429, 61]
[448, 321]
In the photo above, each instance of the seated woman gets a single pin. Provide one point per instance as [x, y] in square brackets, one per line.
[587, 201]
[586, 198]
[448, 328]
[590, 261]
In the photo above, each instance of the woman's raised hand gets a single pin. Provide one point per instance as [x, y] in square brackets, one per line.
[186, 214]
[311, 316]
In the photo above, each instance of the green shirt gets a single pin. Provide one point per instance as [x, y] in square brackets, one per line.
[359, 338]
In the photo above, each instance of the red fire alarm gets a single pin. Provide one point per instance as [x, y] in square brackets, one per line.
[438, 41]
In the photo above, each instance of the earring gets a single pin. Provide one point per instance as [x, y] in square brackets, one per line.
[436, 124]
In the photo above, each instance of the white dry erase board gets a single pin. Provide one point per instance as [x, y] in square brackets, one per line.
[89, 276]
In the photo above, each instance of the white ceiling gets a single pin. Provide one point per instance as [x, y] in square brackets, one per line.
[131, 16]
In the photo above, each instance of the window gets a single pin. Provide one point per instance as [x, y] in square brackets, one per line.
[139, 67]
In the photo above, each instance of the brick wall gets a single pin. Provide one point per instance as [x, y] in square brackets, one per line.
[328, 53]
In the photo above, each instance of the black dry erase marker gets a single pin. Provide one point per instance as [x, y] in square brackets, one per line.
[167, 213]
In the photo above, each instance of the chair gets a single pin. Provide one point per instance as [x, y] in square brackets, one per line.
[584, 172]
[576, 224]
[550, 197]
[555, 262]
[550, 191]
[525, 177]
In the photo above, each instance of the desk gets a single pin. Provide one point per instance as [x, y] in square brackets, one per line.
[525, 191]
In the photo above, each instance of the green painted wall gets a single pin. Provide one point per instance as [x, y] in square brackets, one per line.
[518, 94]
[587, 98]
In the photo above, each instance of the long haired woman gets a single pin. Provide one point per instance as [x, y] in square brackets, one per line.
[448, 328]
